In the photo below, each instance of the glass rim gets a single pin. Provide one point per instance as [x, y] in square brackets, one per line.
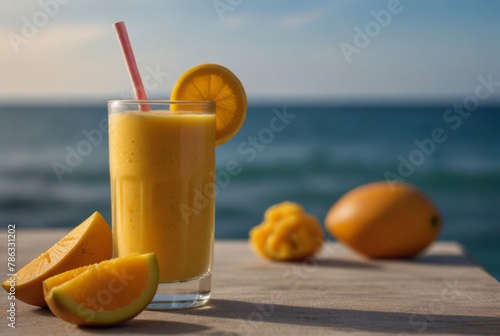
[206, 103]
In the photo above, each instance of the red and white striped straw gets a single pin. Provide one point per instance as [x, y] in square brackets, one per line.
[128, 54]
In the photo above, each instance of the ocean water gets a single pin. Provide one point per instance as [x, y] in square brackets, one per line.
[308, 154]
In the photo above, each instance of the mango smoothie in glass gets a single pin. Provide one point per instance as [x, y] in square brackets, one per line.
[162, 169]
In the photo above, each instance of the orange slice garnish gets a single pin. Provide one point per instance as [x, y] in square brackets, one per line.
[212, 82]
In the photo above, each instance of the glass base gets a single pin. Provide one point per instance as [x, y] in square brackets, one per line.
[180, 295]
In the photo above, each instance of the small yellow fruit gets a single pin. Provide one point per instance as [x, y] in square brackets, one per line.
[383, 220]
[287, 233]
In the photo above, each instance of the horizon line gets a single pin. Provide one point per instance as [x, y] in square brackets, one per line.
[361, 100]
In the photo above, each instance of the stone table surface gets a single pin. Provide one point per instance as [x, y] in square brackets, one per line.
[443, 292]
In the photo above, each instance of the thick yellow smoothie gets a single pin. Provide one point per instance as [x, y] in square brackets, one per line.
[162, 189]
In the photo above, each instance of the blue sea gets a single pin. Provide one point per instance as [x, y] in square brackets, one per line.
[311, 154]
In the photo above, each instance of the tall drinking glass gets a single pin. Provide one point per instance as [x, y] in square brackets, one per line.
[162, 169]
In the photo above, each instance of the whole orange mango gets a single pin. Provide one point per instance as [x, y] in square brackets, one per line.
[384, 220]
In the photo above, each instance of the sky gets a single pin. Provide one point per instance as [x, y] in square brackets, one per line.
[54, 50]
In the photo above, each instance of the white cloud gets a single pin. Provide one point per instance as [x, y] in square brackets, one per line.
[56, 60]
[236, 20]
[301, 19]
[59, 37]
[48, 40]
